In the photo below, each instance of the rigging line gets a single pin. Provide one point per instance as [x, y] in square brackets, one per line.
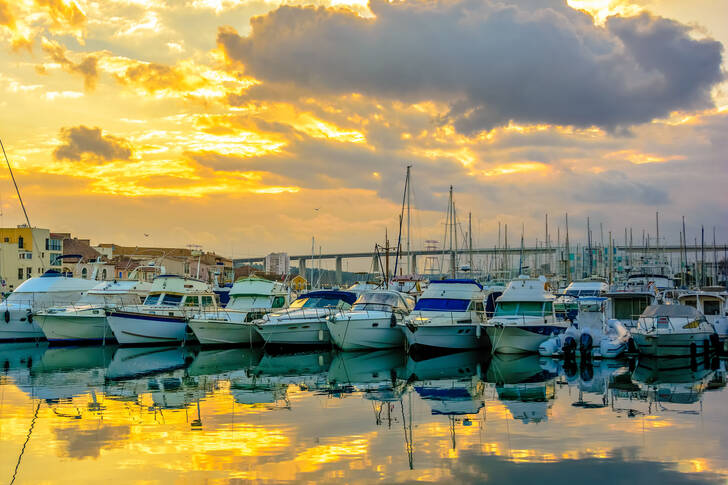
[22, 205]
[22, 451]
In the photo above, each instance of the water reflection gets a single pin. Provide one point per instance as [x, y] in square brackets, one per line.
[159, 413]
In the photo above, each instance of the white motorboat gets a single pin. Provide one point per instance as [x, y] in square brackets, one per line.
[713, 304]
[162, 318]
[372, 321]
[590, 335]
[524, 317]
[304, 322]
[449, 315]
[250, 299]
[566, 305]
[52, 289]
[85, 321]
[673, 331]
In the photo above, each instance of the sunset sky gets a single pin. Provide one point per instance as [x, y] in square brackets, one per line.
[250, 126]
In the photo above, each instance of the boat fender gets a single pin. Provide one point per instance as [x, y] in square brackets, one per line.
[478, 330]
[30, 318]
[393, 321]
[320, 335]
[715, 341]
[585, 344]
[7, 316]
[569, 347]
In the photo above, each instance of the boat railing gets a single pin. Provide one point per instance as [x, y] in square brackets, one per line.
[524, 318]
[227, 314]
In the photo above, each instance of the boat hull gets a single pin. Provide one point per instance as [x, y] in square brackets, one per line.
[210, 332]
[457, 336]
[75, 328]
[139, 328]
[672, 345]
[518, 339]
[365, 334]
[294, 333]
[18, 324]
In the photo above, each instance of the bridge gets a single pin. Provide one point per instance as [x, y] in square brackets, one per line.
[516, 251]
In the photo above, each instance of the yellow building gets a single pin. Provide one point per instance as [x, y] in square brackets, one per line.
[27, 252]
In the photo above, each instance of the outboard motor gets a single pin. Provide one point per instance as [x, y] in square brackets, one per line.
[569, 347]
[585, 345]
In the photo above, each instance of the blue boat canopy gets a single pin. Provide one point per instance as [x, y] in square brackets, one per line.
[347, 296]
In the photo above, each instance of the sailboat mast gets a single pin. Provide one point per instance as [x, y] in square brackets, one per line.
[568, 252]
[407, 188]
[470, 240]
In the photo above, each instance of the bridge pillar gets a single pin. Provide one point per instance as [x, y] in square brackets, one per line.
[338, 270]
[302, 268]
[413, 264]
[375, 265]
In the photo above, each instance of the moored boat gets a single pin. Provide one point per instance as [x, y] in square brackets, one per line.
[673, 331]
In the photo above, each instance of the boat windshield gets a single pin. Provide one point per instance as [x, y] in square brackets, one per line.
[170, 299]
[523, 308]
[376, 302]
[578, 293]
[246, 302]
[319, 302]
[441, 305]
[152, 299]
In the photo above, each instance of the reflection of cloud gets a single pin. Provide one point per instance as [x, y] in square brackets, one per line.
[81, 140]
[87, 443]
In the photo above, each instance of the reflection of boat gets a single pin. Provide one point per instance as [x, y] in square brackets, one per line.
[525, 387]
[224, 361]
[130, 362]
[304, 369]
[65, 372]
[374, 373]
[678, 381]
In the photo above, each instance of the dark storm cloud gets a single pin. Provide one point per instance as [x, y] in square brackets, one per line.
[533, 62]
[81, 140]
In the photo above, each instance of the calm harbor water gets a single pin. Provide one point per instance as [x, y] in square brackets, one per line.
[185, 415]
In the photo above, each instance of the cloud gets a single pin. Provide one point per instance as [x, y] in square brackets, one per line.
[88, 67]
[154, 77]
[542, 62]
[6, 15]
[81, 141]
[64, 13]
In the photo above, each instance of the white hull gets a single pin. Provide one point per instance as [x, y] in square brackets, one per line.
[20, 325]
[360, 334]
[224, 333]
[74, 328]
[134, 329]
[672, 345]
[512, 339]
[302, 332]
[464, 336]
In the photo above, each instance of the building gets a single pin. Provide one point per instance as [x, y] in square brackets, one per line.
[277, 263]
[27, 252]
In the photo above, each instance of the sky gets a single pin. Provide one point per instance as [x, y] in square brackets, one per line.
[250, 126]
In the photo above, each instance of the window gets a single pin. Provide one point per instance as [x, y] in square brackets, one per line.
[20, 242]
[103, 274]
[278, 302]
[55, 259]
[7, 239]
[479, 307]
[84, 273]
[172, 299]
[207, 300]
[29, 272]
[152, 299]
[20, 273]
[191, 301]
[711, 307]
[441, 304]
[120, 274]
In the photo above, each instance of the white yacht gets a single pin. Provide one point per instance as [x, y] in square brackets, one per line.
[449, 314]
[304, 322]
[86, 320]
[590, 335]
[524, 317]
[52, 289]
[162, 318]
[372, 321]
[250, 299]
[566, 305]
[673, 331]
[627, 302]
[713, 303]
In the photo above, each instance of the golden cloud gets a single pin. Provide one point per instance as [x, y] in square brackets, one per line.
[87, 68]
